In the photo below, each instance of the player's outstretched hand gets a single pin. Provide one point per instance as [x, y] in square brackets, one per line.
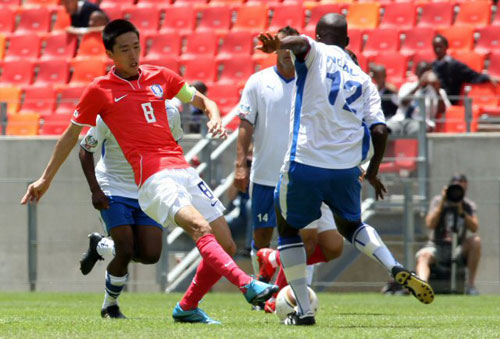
[270, 43]
[379, 187]
[100, 200]
[216, 129]
[35, 191]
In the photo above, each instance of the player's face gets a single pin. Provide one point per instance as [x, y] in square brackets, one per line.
[284, 56]
[126, 53]
[439, 48]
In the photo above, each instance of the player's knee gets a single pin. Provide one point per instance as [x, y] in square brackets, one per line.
[150, 257]
[333, 251]
[124, 251]
[347, 228]
[262, 237]
[230, 248]
[476, 242]
[424, 258]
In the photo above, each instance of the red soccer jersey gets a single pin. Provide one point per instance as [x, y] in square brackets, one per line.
[135, 113]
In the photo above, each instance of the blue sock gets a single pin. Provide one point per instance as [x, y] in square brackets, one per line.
[114, 286]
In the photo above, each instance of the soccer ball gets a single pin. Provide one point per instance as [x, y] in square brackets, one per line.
[286, 303]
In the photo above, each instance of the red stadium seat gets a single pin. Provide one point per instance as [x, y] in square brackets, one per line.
[59, 45]
[68, 97]
[164, 44]
[436, 14]
[401, 15]
[2, 46]
[7, 19]
[474, 13]
[145, 18]
[419, 56]
[317, 13]
[455, 120]
[251, 18]
[117, 3]
[23, 124]
[471, 59]
[17, 72]
[54, 124]
[236, 70]
[262, 60]
[200, 44]
[396, 66]
[6, 3]
[179, 19]
[355, 40]
[86, 69]
[112, 10]
[63, 20]
[52, 72]
[39, 99]
[363, 15]
[41, 2]
[484, 95]
[494, 68]
[417, 39]
[25, 46]
[12, 96]
[33, 19]
[381, 40]
[489, 40]
[215, 18]
[91, 46]
[236, 43]
[202, 68]
[460, 38]
[170, 62]
[287, 15]
[405, 154]
[225, 95]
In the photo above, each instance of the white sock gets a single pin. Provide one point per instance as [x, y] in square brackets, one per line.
[255, 262]
[310, 274]
[106, 248]
[114, 286]
[367, 240]
[293, 260]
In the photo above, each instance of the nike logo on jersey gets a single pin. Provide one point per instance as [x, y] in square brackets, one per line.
[229, 263]
[213, 203]
[120, 98]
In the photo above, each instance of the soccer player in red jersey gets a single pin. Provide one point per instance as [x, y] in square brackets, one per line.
[130, 100]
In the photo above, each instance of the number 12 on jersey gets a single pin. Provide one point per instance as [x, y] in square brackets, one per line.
[348, 85]
[148, 112]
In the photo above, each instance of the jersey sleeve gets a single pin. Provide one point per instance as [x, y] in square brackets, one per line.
[174, 121]
[247, 109]
[372, 108]
[95, 136]
[89, 106]
[313, 53]
[173, 83]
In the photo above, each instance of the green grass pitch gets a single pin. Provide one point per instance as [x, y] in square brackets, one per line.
[72, 315]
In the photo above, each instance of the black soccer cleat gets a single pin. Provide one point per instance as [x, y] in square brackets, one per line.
[418, 287]
[91, 256]
[300, 320]
[112, 312]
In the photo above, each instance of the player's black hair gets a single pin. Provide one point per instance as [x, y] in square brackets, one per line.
[114, 29]
[288, 30]
[442, 38]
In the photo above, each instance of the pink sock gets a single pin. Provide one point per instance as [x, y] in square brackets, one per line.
[316, 257]
[215, 256]
[204, 279]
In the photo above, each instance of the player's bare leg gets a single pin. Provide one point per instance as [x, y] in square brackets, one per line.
[366, 239]
[187, 309]
[149, 243]
[261, 239]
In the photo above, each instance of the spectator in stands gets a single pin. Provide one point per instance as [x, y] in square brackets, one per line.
[452, 73]
[388, 92]
[83, 17]
[407, 119]
[443, 210]
[196, 114]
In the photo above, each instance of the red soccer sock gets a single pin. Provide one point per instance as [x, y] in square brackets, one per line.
[221, 262]
[316, 257]
[281, 279]
[204, 279]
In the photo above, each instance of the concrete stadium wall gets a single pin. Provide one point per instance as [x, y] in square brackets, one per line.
[66, 216]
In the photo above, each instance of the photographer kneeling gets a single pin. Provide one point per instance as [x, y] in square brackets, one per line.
[448, 211]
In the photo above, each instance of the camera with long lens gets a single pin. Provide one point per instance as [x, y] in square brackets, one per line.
[455, 193]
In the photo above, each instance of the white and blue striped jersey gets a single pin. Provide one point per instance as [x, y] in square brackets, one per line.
[266, 104]
[333, 106]
[113, 172]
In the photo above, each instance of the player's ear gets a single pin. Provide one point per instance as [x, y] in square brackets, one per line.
[109, 54]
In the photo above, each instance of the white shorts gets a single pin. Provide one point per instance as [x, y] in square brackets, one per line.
[325, 223]
[163, 194]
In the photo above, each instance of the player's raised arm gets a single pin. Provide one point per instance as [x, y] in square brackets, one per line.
[61, 151]
[211, 110]
[299, 45]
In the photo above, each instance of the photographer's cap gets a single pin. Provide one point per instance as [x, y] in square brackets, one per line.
[459, 178]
